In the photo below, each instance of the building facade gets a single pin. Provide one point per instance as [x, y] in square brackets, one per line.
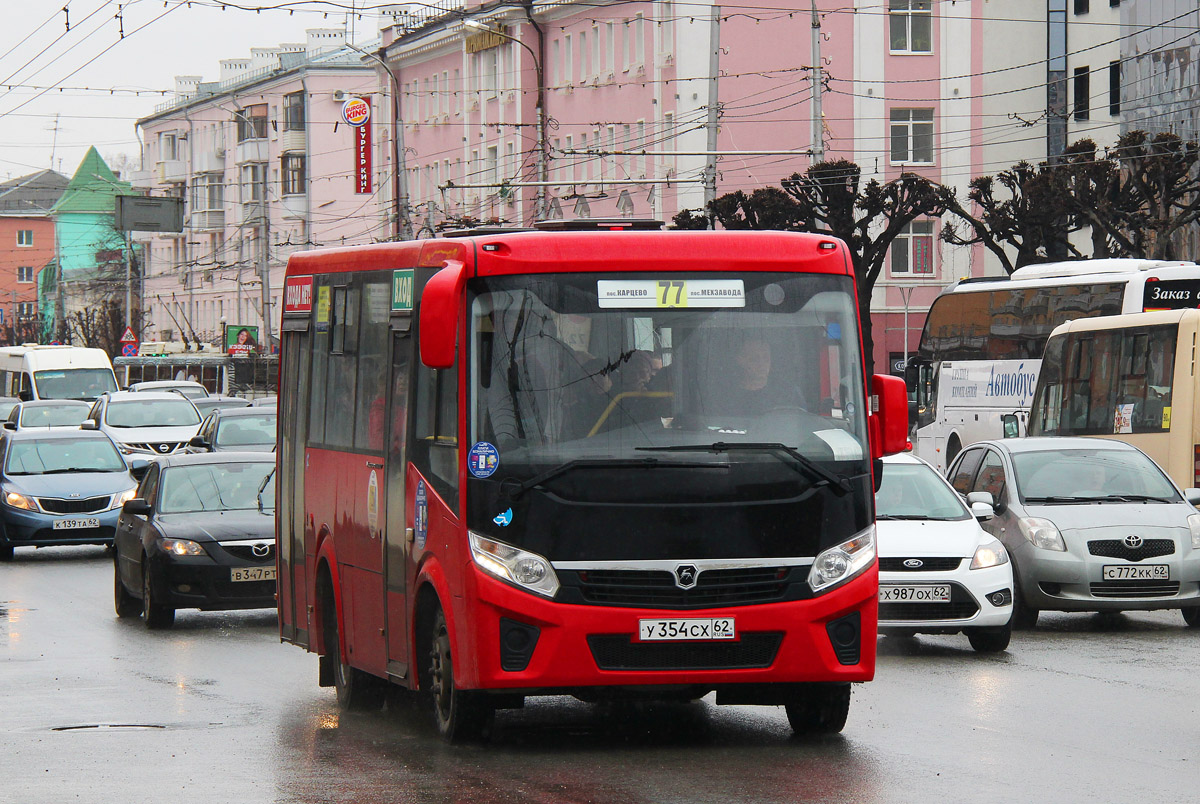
[266, 166]
[27, 235]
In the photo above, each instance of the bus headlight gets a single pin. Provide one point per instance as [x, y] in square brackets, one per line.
[526, 570]
[842, 562]
[1042, 533]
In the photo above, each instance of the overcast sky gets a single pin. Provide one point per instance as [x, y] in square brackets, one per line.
[93, 74]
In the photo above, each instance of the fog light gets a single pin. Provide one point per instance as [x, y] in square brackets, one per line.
[844, 637]
[517, 642]
[1001, 598]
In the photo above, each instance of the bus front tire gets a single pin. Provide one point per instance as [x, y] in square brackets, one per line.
[458, 715]
[822, 709]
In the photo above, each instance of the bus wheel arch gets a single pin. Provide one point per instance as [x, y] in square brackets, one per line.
[356, 690]
[953, 447]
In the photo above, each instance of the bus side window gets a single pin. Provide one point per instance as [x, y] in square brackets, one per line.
[26, 392]
[964, 473]
[434, 445]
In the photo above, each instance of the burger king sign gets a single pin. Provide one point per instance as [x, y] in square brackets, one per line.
[356, 111]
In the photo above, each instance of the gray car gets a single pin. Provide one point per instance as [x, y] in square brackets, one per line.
[1091, 525]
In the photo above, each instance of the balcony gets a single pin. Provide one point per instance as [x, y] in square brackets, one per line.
[210, 161]
[208, 220]
[295, 207]
[171, 171]
[252, 151]
[252, 213]
[142, 179]
[292, 140]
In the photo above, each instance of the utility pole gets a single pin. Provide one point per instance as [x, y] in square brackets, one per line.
[714, 67]
[818, 121]
[265, 261]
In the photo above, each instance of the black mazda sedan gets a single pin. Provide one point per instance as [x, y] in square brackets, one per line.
[200, 534]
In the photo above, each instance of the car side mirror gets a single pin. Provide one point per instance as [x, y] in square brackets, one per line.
[10, 425]
[138, 467]
[199, 443]
[25, 395]
[1192, 496]
[982, 511]
[1011, 428]
[89, 424]
[136, 506]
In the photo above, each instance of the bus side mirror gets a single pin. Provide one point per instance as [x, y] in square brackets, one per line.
[25, 395]
[1011, 429]
[889, 415]
[912, 375]
[441, 299]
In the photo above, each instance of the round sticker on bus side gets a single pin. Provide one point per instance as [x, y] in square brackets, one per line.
[421, 516]
[373, 503]
[483, 459]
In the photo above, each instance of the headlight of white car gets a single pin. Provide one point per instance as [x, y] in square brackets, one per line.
[842, 562]
[1042, 533]
[991, 554]
[526, 570]
[1194, 527]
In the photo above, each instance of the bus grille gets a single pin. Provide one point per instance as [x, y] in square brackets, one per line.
[91, 505]
[936, 564]
[1116, 548]
[1128, 589]
[620, 652]
[961, 607]
[656, 588]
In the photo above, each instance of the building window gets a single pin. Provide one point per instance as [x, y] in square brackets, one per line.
[1083, 93]
[293, 174]
[253, 177]
[252, 123]
[293, 111]
[1081, 6]
[911, 24]
[1114, 88]
[208, 192]
[26, 309]
[912, 250]
[24, 237]
[167, 147]
[25, 273]
[912, 136]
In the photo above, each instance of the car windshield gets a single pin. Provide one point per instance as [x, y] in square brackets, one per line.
[62, 455]
[61, 415]
[151, 413]
[915, 491]
[212, 487]
[74, 383]
[244, 431]
[1090, 474]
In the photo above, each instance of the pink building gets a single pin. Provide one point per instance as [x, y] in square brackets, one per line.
[585, 109]
[266, 166]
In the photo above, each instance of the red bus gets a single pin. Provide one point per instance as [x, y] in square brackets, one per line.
[592, 463]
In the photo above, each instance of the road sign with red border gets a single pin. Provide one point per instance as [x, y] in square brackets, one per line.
[129, 337]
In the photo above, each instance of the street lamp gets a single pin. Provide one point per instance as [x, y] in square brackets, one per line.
[540, 106]
[399, 180]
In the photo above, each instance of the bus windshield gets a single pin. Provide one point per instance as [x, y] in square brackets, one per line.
[81, 383]
[620, 390]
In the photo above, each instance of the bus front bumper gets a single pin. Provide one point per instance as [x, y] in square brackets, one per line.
[524, 642]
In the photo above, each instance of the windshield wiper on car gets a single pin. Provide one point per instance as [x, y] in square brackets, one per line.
[515, 489]
[891, 517]
[1066, 500]
[1134, 498]
[77, 469]
[839, 484]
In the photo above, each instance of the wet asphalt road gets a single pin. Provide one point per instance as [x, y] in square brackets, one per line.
[1086, 708]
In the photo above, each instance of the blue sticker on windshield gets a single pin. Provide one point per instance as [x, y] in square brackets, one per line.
[421, 516]
[833, 331]
[505, 519]
[483, 459]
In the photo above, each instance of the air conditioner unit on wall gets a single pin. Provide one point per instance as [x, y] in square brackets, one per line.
[340, 95]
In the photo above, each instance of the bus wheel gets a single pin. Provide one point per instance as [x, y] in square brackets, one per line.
[126, 604]
[458, 714]
[1191, 616]
[953, 447]
[355, 689]
[822, 710]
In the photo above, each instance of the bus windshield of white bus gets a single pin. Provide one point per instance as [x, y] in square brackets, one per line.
[1106, 381]
[619, 388]
[80, 383]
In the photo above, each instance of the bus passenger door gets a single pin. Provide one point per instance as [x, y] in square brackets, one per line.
[289, 510]
[397, 566]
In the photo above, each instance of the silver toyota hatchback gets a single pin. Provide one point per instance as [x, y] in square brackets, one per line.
[1091, 525]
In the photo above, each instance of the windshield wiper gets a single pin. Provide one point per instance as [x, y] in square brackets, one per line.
[77, 469]
[514, 489]
[901, 517]
[1134, 498]
[839, 484]
[1062, 499]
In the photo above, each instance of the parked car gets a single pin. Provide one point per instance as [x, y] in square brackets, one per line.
[48, 413]
[189, 388]
[145, 422]
[265, 402]
[199, 534]
[61, 487]
[1091, 525]
[245, 429]
[939, 571]
[214, 401]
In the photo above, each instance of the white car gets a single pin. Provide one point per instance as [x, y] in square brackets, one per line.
[145, 422]
[939, 571]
